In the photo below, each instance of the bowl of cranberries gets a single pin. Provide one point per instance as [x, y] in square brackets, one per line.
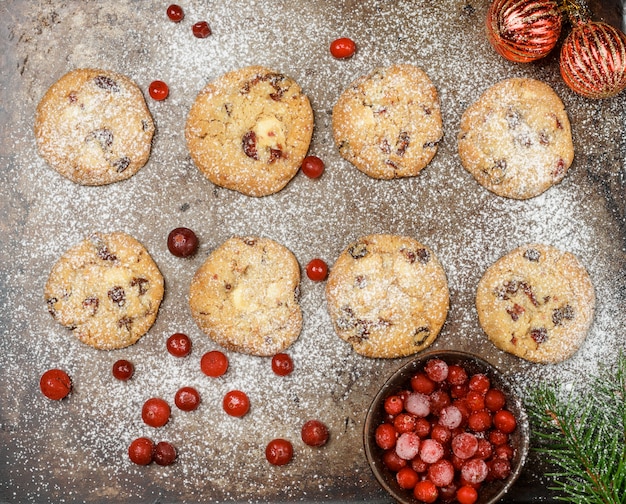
[447, 427]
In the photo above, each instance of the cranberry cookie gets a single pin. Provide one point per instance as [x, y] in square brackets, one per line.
[537, 303]
[107, 290]
[249, 130]
[388, 123]
[245, 296]
[93, 127]
[387, 296]
[516, 139]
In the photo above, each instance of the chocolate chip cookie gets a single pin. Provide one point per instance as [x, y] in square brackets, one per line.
[245, 296]
[249, 130]
[388, 123]
[536, 302]
[93, 127]
[516, 139]
[106, 289]
[387, 296]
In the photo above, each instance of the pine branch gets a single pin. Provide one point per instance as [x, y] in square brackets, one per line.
[583, 434]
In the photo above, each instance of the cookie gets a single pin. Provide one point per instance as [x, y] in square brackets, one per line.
[249, 130]
[387, 296]
[516, 140]
[93, 127]
[107, 290]
[388, 123]
[245, 296]
[536, 302]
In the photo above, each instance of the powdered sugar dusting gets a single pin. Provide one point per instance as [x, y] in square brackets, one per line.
[75, 450]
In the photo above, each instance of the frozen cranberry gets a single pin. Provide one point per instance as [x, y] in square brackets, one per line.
[504, 451]
[175, 13]
[475, 400]
[431, 451]
[426, 491]
[466, 495]
[497, 438]
[201, 29]
[282, 365]
[317, 270]
[421, 383]
[342, 48]
[236, 403]
[279, 452]
[408, 445]
[404, 423]
[479, 383]
[456, 375]
[439, 399]
[459, 391]
[480, 421]
[312, 166]
[141, 451]
[164, 453]
[158, 90]
[436, 370]
[394, 405]
[441, 473]
[386, 436]
[393, 461]
[179, 345]
[407, 478]
[417, 404]
[314, 433]
[474, 471]
[464, 445]
[441, 434]
[155, 412]
[187, 399]
[505, 421]
[182, 242]
[55, 384]
[214, 363]
[419, 466]
[422, 427]
[495, 399]
[450, 417]
[123, 369]
[484, 450]
[500, 468]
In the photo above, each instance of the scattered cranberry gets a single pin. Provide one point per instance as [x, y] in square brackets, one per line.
[155, 412]
[282, 364]
[201, 29]
[312, 167]
[179, 345]
[214, 363]
[164, 453]
[158, 90]
[175, 13]
[123, 369]
[314, 433]
[342, 48]
[55, 384]
[141, 451]
[317, 270]
[279, 452]
[187, 399]
[182, 242]
[236, 403]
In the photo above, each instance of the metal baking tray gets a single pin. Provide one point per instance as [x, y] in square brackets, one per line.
[75, 450]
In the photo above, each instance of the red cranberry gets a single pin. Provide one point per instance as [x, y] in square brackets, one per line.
[175, 13]
[201, 29]
[182, 242]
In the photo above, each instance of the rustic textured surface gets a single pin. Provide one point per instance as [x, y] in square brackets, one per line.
[75, 450]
